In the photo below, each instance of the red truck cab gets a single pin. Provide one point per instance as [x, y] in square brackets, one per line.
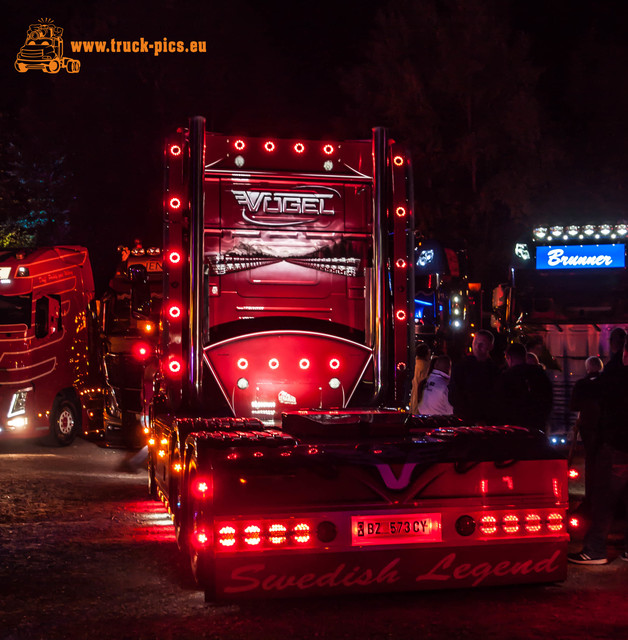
[44, 347]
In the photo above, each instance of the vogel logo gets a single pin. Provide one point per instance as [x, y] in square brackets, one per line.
[595, 256]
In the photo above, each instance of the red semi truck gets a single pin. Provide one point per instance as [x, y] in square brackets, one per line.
[129, 324]
[280, 441]
[44, 345]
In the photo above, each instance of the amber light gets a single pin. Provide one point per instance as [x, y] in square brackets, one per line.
[273, 363]
[277, 534]
[252, 535]
[533, 523]
[301, 532]
[555, 522]
[175, 203]
[175, 150]
[488, 525]
[239, 145]
[226, 536]
[510, 523]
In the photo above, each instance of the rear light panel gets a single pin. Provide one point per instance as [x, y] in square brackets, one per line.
[265, 534]
[520, 523]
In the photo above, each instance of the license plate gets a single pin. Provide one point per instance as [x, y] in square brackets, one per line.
[407, 528]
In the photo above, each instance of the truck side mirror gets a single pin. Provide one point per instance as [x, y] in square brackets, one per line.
[140, 290]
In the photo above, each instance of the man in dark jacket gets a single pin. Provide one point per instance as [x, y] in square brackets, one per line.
[523, 392]
[611, 465]
[472, 379]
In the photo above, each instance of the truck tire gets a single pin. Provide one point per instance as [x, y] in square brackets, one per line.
[52, 67]
[73, 66]
[64, 422]
[19, 66]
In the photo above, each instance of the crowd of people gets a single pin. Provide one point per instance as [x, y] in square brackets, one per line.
[479, 391]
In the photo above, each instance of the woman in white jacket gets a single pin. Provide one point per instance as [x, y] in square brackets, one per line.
[434, 400]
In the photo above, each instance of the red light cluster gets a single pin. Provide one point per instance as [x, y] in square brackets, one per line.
[270, 146]
[264, 534]
[512, 523]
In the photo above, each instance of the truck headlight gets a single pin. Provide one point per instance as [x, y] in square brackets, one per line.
[18, 403]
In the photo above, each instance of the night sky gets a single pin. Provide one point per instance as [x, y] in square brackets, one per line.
[274, 68]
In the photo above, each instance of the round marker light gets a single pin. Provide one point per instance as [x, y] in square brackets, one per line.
[243, 363]
[269, 146]
[174, 312]
[242, 383]
[401, 315]
[398, 161]
[175, 203]
[328, 149]
[175, 150]
[174, 366]
[299, 147]
[239, 145]
[174, 257]
[401, 263]
[304, 363]
[401, 212]
[334, 383]
[273, 363]
[334, 363]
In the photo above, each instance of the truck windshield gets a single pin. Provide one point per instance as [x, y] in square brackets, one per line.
[15, 310]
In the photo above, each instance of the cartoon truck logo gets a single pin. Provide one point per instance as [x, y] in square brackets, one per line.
[43, 50]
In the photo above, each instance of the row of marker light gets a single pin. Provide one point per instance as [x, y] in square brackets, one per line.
[580, 232]
[270, 146]
[273, 363]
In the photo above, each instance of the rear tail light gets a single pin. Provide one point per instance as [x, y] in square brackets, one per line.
[573, 474]
[267, 534]
[555, 522]
[488, 525]
[174, 257]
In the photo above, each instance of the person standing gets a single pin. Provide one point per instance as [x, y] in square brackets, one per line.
[472, 380]
[523, 392]
[610, 482]
[421, 369]
[616, 342]
[434, 400]
[585, 399]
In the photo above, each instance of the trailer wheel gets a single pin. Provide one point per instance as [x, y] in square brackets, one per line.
[21, 67]
[64, 423]
[73, 66]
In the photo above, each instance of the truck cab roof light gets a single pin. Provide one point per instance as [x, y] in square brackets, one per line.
[328, 149]
[299, 147]
[269, 146]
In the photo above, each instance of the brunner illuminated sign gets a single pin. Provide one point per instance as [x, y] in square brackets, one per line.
[591, 256]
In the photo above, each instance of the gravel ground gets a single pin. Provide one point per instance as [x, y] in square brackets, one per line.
[85, 554]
